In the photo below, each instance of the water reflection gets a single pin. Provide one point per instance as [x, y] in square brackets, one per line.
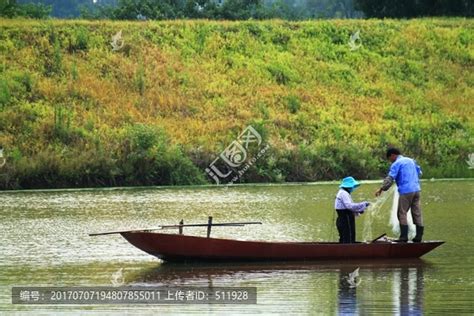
[398, 284]
[45, 243]
[406, 290]
[347, 294]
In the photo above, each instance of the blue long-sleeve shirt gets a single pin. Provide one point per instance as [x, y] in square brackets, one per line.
[344, 202]
[406, 173]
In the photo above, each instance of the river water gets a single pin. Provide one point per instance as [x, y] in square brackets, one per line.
[45, 242]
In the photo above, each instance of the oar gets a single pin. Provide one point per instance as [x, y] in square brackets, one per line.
[174, 226]
[384, 234]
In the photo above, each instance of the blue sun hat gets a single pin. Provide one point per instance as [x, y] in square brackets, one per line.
[349, 183]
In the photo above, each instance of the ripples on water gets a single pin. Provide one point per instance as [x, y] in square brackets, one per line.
[45, 242]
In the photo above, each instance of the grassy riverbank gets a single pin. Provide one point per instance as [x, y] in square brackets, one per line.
[75, 113]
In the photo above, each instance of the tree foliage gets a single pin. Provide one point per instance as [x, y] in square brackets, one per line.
[415, 8]
[11, 9]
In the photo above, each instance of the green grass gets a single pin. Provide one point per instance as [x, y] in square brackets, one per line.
[74, 112]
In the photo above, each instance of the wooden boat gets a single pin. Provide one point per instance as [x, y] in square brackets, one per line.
[174, 247]
[179, 247]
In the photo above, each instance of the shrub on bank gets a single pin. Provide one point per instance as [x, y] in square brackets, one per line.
[159, 110]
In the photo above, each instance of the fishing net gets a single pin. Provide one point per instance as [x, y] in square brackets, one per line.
[374, 211]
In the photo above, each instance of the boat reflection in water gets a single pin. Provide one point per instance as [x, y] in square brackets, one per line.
[395, 287]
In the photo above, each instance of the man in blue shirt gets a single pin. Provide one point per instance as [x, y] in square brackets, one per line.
[405, 172]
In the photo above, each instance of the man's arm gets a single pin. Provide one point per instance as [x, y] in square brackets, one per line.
[418, 169]
[386, 184]
[388, 181]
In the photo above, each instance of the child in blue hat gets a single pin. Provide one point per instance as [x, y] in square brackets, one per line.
[346, 209]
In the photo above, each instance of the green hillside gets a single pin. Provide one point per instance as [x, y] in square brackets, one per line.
[159, 109]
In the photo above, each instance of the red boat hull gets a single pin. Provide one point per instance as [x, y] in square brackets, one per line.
[172, 247]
